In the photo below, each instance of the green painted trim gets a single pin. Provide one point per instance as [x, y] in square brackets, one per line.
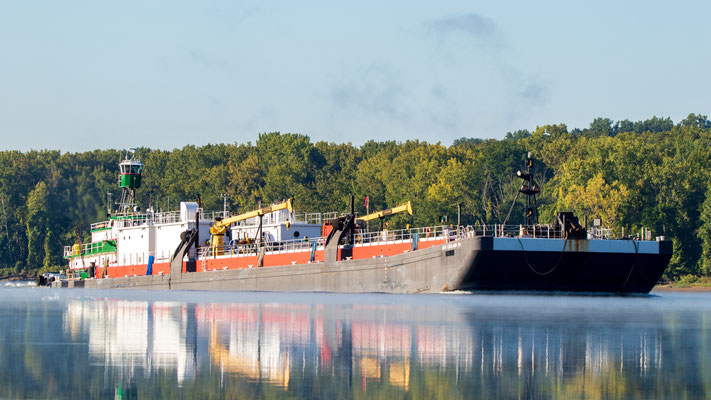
[104, 246]
[129, 180]
[101, 229]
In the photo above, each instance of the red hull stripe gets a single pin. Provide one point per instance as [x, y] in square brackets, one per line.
[270, 260]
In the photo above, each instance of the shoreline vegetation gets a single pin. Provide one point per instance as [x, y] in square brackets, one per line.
[634, 177]
[18, 277]
[685, 284]
[674, 288]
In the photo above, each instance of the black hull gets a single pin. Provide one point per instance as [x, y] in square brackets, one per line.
[554, 271]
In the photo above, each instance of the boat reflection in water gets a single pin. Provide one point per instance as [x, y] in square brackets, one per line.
[128, 335]
[436, 347]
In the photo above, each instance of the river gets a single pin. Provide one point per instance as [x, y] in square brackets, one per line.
[64, 343]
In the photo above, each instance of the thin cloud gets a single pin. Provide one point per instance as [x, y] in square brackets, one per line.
[263, 120]
[484, 33]
[442, 110]
[378, 94]
[201, 58]
[472, 25]
[534, 92]
[375, 91]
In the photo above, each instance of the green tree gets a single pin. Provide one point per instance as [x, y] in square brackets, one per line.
[36, 223]
[602, 127]
[705, 235]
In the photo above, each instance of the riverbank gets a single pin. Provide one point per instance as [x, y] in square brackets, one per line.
[671, 287]
[18, 277]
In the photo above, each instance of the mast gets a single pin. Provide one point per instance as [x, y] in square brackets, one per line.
[130, 169]
[530, 190]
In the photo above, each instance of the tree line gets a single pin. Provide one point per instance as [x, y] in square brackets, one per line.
[653, 174]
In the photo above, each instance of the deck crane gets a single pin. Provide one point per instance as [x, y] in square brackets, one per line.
[390, 211]
[217, 231]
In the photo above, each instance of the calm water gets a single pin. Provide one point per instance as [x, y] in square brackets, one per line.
[61, 343]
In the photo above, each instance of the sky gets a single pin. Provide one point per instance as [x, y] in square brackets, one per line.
[84, 75]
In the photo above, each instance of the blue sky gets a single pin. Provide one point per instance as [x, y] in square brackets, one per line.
[82, 75]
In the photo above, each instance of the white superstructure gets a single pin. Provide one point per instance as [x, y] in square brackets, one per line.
[277, 226]
[132, 239]
[129, 240]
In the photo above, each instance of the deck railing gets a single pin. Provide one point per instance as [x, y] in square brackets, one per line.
[88, 248]
[124, 221]
[167, 217]
[253, 248]
[437, 232]
[549, 231]
[424, 233]
[367, 238]
[312, 218]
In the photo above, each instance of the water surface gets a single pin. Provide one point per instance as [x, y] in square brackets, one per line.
[62, 343]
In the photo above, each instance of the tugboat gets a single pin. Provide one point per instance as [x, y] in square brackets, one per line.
[275, 249]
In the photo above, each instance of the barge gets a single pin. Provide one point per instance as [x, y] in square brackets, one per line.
[275, 249]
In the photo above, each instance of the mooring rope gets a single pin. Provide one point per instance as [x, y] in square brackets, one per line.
[560, 257]
[636, 253]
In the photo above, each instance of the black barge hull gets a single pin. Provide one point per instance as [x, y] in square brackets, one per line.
[623, 266]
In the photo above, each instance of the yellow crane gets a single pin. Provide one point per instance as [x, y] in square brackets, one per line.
[390, 211]
[217, 231]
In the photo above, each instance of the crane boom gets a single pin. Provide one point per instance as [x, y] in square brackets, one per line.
[390, 211]
[217, 231]
[255, 213]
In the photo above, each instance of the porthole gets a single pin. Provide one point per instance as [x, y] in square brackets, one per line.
[296, 234]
